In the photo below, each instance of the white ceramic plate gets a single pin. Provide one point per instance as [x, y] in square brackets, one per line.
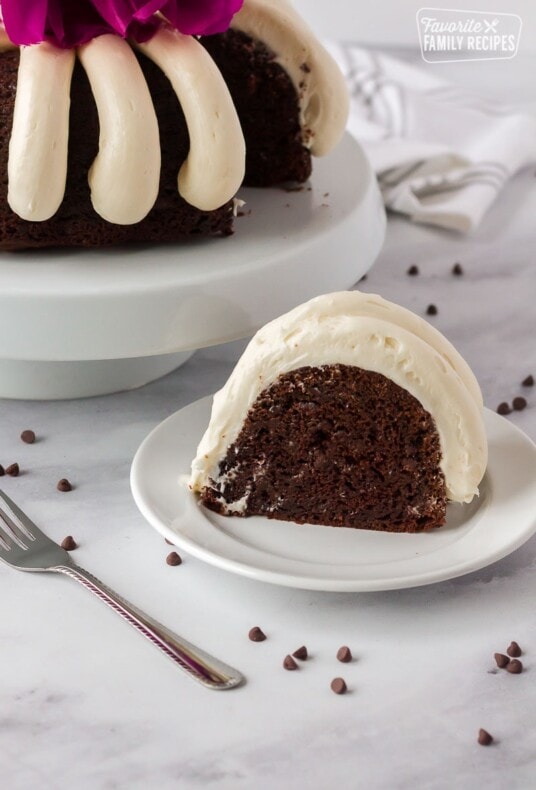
[324, 558]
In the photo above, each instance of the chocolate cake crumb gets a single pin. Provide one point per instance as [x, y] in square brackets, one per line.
[519, 403]
[457, 269]
[173, 558]
[13, 470]
[301, 653]
[64, 485]
[528, 381]
[2, 471]
[431, 309]
[515, 667]
[484, 738]
[413, 270]
[28, 436]
[339, 686]
[504, 408]
[289, 663]
[513, 650]
[256, 634]
[69, 543]
[344, 654]
[501, 660]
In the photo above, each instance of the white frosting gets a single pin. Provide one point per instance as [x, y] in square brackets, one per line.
[214, 168]
[351, 328]
[37, 166]
[124, 178]
[322, 91]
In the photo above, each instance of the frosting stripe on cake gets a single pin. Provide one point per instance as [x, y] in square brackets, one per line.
[38, 147]
[124, 178]
[322, 92]
[214, 167]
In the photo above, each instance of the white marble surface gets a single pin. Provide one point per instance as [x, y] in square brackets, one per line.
[86, 703]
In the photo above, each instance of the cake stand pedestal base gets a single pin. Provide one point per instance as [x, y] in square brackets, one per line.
[36, 380]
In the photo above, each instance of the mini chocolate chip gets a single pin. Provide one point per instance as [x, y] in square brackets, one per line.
[484, 738]
[301, 653]
[28, 437]
[413, 270]
[515, 667]
[173, 558]
[69, 543]
[431, 309]
[344, 654]
[519, 403]
[339, 686]
[2, 471]
[12, 470]
[503, 408]
[289, 663]
[457, 269]
[501, 660]
[528, 382]
[513, 650]
[64, 485]
[256, 634]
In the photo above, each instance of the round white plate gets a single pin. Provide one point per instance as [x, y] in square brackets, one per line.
[141, 301]
[325, 558]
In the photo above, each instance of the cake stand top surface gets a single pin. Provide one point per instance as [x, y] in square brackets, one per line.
[289, 245]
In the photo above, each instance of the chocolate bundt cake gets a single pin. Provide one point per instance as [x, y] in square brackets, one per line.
[349, 411]
[142, 133]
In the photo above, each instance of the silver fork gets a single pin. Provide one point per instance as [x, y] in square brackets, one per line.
[25, 547]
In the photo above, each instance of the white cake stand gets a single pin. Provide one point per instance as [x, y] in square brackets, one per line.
[79, 323]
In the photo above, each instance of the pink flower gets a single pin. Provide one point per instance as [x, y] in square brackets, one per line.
[68, 23]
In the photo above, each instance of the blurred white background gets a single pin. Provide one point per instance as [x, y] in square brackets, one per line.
[393, 21]
[391, 25]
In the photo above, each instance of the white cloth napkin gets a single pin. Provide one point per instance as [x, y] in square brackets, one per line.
[441, 154]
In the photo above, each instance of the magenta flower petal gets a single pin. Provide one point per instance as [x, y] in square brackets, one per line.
[68, 23]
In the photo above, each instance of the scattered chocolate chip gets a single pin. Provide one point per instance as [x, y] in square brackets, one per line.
[69, 543]
[501, 660]
[431, 309]
[484, 738]
[301, 653]
[519, 403]
[515, 667]
[173, 558]
[528, 382]
[503, 408]
[2, 471]
[64, 485]
[256, 634]
[344, 654]
[339, 686]
[289, 663]
[413, 270]
[457, 269]
[513, 650]
[28, 437]
[12, 470]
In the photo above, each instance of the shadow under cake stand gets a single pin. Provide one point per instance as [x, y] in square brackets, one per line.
[78, 323]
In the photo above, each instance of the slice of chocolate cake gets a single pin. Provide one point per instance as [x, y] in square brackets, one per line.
[349, 411]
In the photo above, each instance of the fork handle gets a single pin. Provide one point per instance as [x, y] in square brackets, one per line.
[206, 669]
